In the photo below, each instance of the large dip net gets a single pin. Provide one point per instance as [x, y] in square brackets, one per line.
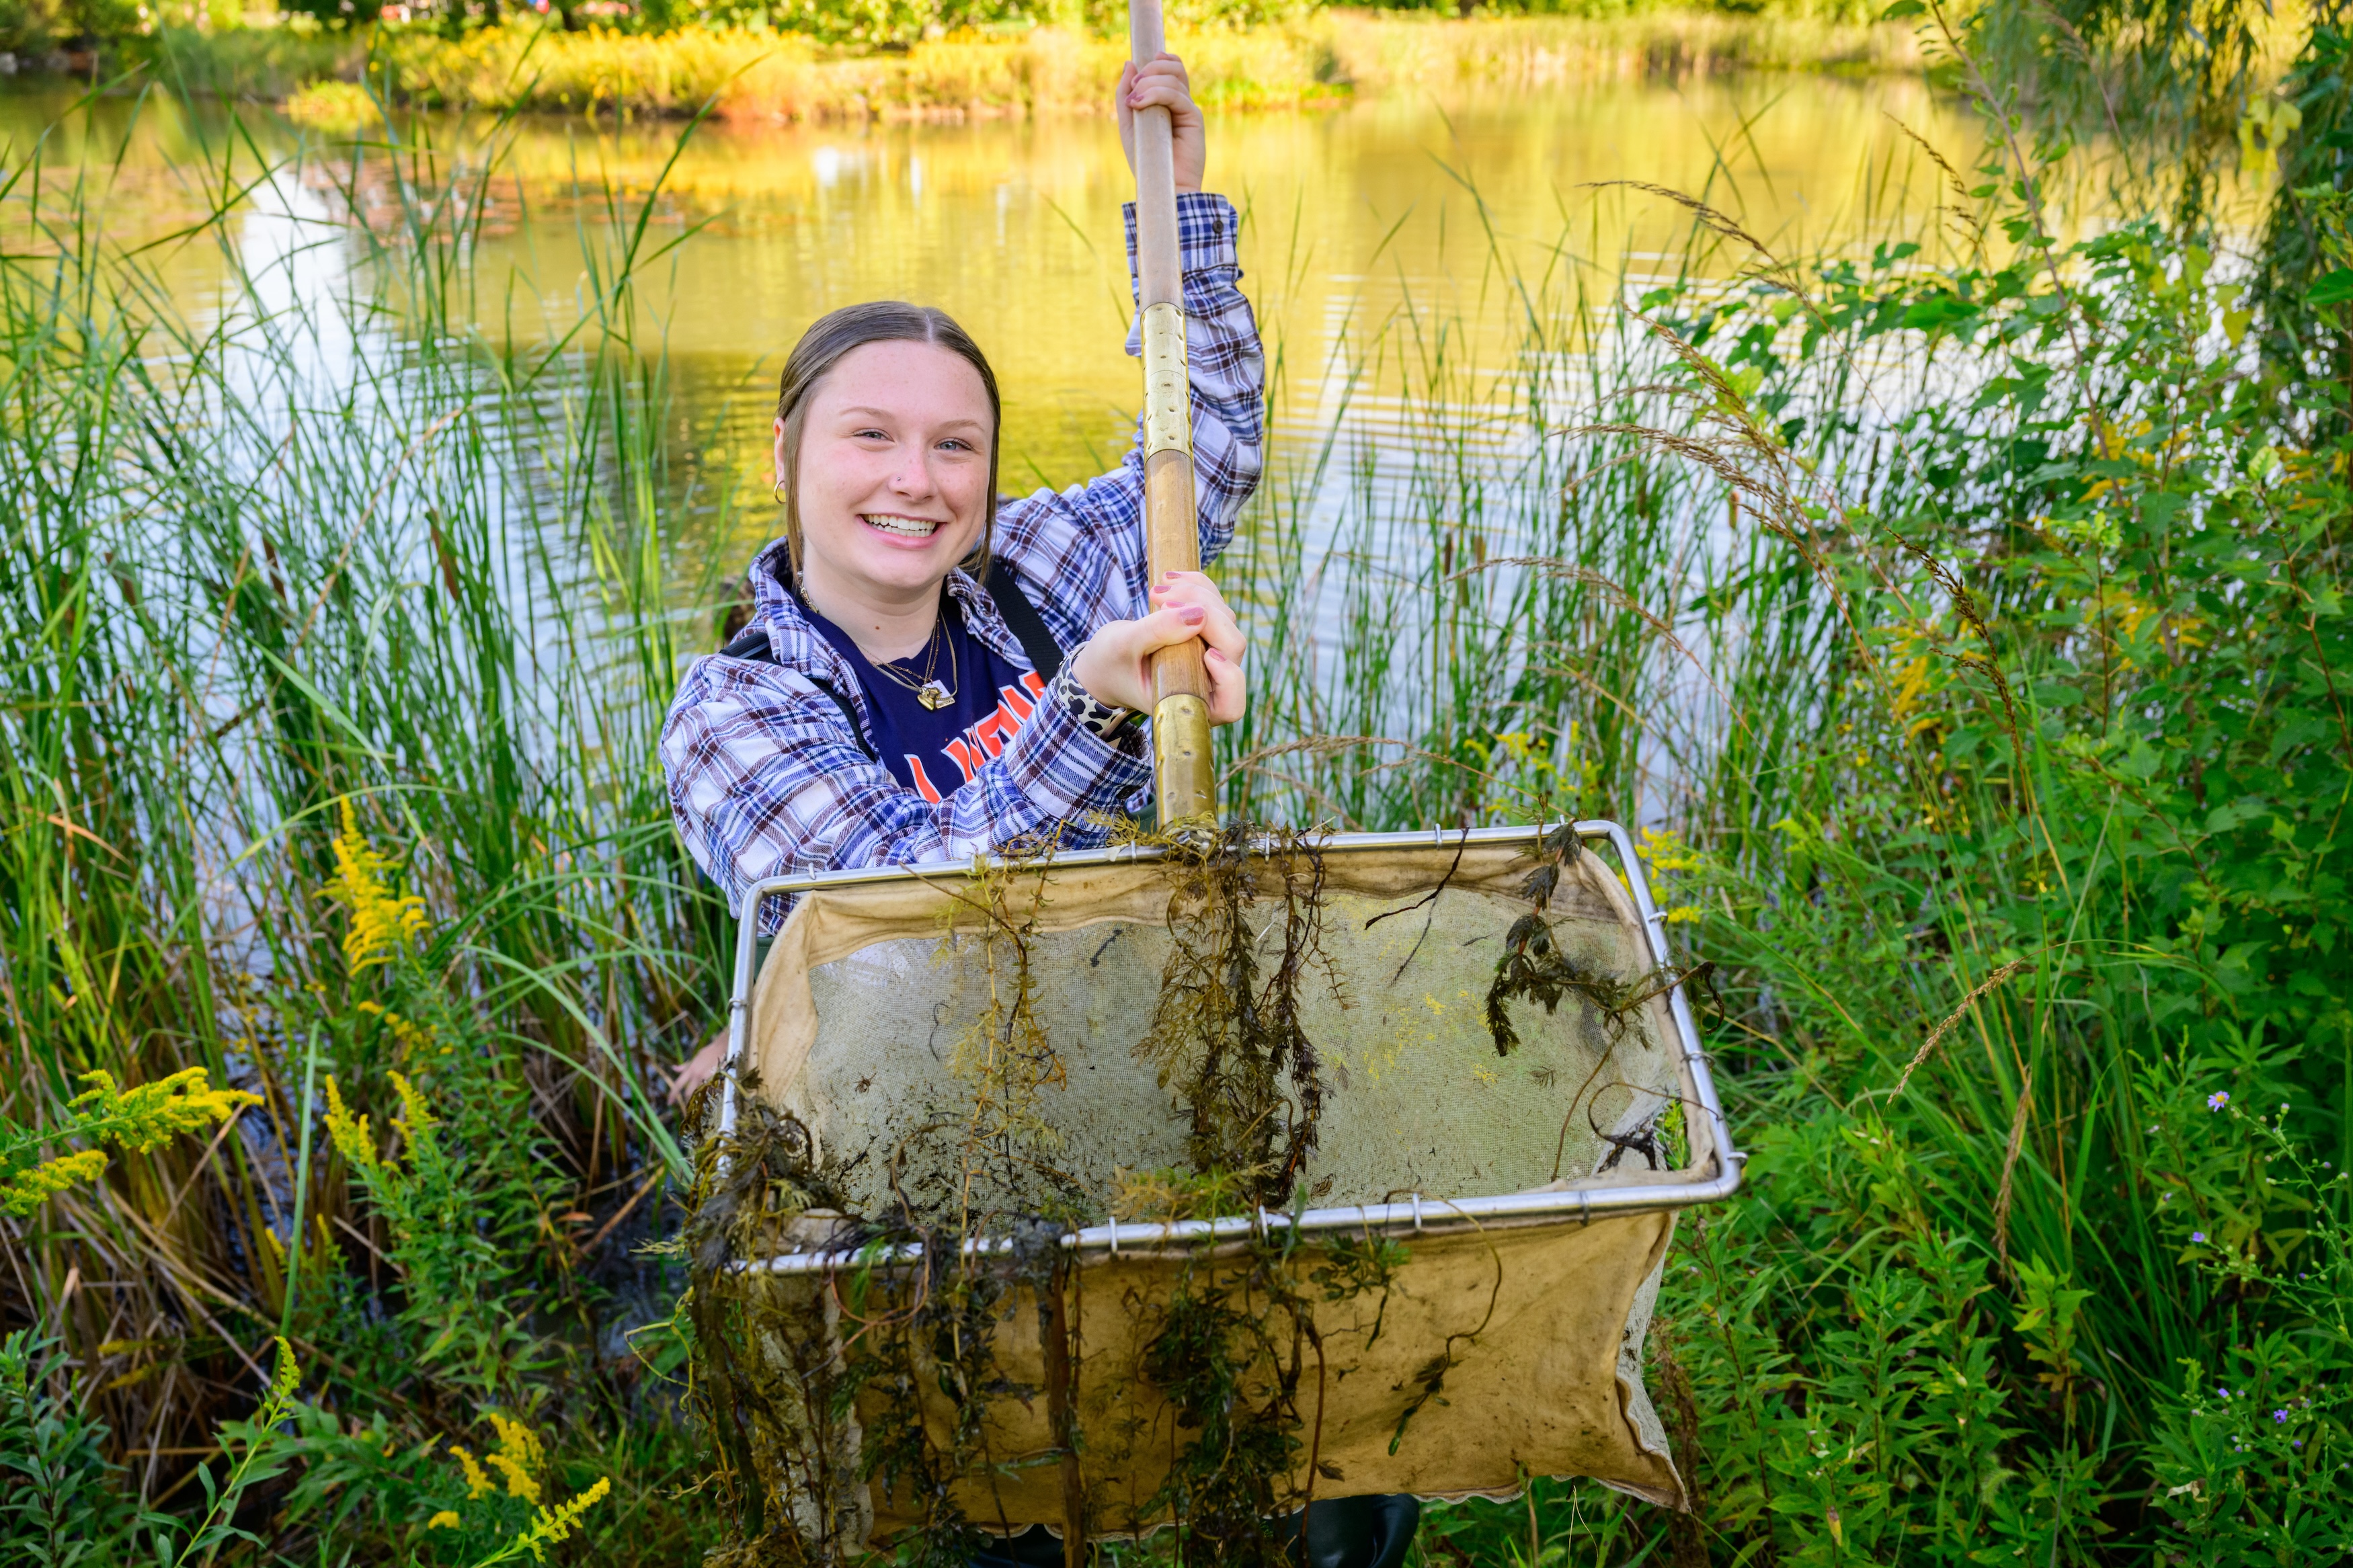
[1175, 1187]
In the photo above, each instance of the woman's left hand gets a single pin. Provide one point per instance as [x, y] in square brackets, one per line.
[1115, 665]
[696, 1070]
[1161, 83]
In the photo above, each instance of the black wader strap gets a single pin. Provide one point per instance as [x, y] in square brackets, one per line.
[1021, 618]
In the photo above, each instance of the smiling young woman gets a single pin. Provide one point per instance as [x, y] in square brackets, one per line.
[932, 670]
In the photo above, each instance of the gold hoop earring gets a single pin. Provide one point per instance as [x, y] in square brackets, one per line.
[777, 490]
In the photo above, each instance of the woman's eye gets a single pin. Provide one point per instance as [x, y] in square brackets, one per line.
[870, 435]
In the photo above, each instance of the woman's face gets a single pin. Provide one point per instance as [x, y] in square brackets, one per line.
[894, 484]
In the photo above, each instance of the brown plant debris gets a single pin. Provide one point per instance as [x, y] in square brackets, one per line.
[1533, 966]
[1227, 1030]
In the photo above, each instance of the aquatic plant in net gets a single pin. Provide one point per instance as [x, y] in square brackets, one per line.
[765, 1385]
[1227, 1028]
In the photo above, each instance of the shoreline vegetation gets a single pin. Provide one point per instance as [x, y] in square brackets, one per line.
[334, 79]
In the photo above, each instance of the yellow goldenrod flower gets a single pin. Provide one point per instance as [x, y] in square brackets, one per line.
[418, 1121]
[519, 1457]
[382, 919]
[136, 1119]
[25, 1191]
[413, 1037]
[1912, 689]
[1668, 852]
[557, 1524]
[478, 1484]
[154, 1113]
[519, 1481]
[519, 1442]
[288, 1372]
[445, 1519]
[349, 1133]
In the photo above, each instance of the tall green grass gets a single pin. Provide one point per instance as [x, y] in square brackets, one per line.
[321, 549]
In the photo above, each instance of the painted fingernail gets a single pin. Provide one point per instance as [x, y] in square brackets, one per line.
[1194, 614]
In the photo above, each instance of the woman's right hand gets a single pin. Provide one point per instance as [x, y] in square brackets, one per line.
[1115, 665]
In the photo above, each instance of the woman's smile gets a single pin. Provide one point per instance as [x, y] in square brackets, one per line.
[898, 525]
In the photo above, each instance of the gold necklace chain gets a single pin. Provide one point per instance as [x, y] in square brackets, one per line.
[928, 691]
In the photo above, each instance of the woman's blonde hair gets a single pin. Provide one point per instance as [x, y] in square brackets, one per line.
[822, 347]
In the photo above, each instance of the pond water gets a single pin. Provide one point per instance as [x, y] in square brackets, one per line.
[1407, 211]
[1351, 214]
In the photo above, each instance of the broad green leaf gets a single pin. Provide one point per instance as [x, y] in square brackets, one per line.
[2333, 290]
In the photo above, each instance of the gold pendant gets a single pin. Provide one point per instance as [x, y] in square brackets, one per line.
[933, 696]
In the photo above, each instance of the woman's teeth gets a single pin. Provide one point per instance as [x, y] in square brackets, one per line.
[906, 527]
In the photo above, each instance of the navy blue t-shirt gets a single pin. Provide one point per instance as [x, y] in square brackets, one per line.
[936, 751]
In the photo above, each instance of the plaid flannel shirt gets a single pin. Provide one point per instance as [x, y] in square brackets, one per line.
[766, 775]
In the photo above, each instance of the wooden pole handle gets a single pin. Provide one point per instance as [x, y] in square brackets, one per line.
[1184, 771]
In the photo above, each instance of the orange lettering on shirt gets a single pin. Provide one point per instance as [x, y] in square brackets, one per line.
[923, 786]
[991, 734]
[983, 742]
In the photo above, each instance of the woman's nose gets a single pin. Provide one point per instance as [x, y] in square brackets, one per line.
[912, 475]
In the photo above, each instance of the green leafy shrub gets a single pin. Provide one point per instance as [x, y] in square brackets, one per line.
[66, 1503]
[63, 1504]
[2253, 1446]
[2026, 1283]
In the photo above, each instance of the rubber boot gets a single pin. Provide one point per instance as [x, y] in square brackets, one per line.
[1342, 1532]
[1035, 1547]
[1354, 1531]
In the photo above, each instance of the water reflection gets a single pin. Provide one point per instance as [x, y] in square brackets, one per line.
[1399, 252]
[1014, 227]
[1411, 221]
[1353, 216]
